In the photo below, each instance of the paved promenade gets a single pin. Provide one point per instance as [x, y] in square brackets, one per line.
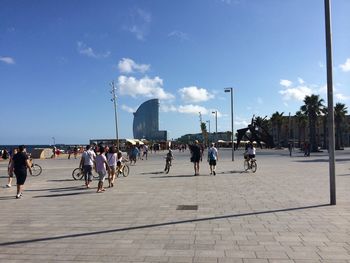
[279, 214]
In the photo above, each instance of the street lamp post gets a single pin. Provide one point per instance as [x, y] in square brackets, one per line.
[331, 136]
[216, 124]
[114, 99]
[232, 134]
[54, 141]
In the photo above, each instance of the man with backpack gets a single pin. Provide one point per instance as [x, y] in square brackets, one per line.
[212, 158]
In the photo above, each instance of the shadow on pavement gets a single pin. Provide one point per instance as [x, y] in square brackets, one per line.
[61, 195]
[59, 189]
[159, 225]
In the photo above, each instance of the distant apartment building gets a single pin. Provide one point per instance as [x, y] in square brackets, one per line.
[292, 131]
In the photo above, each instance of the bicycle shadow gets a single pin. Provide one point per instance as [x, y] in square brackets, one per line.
[62, 195]
[59, 189]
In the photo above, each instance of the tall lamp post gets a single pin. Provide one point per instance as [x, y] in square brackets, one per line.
[114, 99]
[331, 136]
[232, 134]
[216, 124]
[54, 141]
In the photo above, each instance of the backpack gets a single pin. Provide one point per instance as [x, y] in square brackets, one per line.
[212, 155]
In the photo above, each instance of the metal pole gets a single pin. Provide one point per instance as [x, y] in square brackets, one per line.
[233, 145]
[331, 135]
[216, 124]
[114, 99]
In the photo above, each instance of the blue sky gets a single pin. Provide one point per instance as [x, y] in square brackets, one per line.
[57, 59]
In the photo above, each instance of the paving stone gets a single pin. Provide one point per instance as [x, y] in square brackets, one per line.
[273, 215]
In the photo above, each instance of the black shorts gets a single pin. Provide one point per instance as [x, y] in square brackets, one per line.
[119, 163]
[21, 176]
[251, 156]
[212, 162]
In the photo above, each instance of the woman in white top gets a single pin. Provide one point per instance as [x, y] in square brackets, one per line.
[112, 163]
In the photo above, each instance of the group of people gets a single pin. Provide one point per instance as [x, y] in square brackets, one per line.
[106, 160]
[196, 156]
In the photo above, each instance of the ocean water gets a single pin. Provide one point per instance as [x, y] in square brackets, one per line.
[31, 147]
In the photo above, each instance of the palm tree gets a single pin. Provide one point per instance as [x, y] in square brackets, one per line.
[340, 110]
[302, 121]
[277, 120]
[204, 132]
[312, 108]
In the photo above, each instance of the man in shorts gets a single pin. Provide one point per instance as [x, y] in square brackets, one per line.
[212, 158]
[87, 162]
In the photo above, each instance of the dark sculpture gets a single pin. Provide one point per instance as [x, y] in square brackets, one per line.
[257, 132]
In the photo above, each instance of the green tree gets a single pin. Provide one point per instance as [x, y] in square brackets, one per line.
[340, 111]
[302, 122]
[312, 108]
[204, 132]
[277, 121]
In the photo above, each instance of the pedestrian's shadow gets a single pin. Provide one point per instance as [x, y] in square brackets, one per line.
[159, 172]
[3, 198]
[232, 172]
[62, 195]
[59, 189]
[175, 176]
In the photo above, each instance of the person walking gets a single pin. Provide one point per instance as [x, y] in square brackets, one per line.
[195, 157]
[19, 166]
[101, 169]
[212, 158]
[87, 162]
[9, 180]
[112, 163]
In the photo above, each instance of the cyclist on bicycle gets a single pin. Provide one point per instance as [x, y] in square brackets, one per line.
[169, 157]
[251, 151]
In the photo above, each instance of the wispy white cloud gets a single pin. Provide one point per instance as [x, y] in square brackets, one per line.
[346, 66]
[145, 87]
[301, 81]
[88, 51]
[290, 92]
[341, 97]
[195, 94]
[296, 93]
[320, 64]
[192, 109]
[7, 60]
[285, 83]
[179, 34]
[140, 24]
[167, 108]
[128, 109]
[127, 65]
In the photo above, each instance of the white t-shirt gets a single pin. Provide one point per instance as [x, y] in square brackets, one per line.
[251, 151]
[213, 152]
[112, 159]
[89, 157]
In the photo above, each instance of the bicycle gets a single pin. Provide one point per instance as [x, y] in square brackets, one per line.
[36, 168]
[124, 169]
[167, 165]
[78, 174]
[250, 164]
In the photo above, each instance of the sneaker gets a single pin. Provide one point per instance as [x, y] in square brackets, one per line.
[18, 196]
[8, 186]
[214, 173]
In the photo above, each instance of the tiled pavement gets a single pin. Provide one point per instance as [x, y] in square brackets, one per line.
[279, 214]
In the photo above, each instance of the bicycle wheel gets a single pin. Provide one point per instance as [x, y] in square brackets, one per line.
[36, 169]
[126, 170]
[246, 165]
[254, 166]
[78, 174]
